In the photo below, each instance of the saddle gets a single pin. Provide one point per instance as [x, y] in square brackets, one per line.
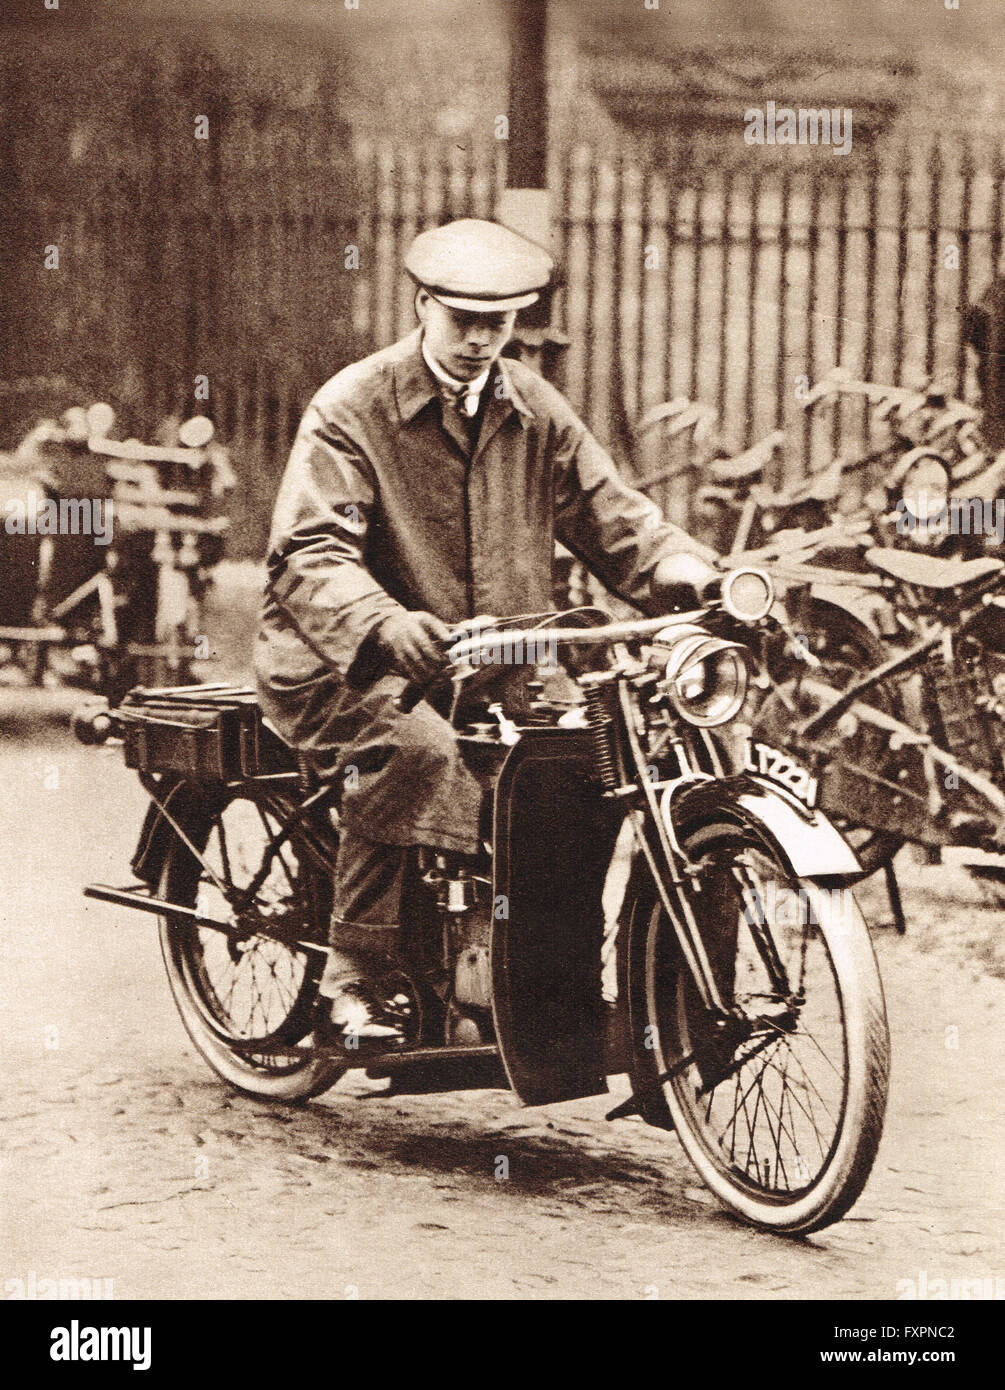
[931, 571]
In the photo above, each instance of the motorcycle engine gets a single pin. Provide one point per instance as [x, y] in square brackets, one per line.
[464, 904]
[470, 937]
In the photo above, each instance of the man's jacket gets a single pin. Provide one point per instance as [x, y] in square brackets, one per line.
[384, 505]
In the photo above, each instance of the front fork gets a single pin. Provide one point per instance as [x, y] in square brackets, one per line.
[666, 861]
[675, 878]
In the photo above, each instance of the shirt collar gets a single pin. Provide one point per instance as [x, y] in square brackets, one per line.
[455, 387]
[415, 384]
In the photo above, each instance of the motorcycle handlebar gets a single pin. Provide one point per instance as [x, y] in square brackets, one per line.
[464, 650]
[468, 648]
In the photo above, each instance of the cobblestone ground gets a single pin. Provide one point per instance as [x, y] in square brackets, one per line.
[125, 1159]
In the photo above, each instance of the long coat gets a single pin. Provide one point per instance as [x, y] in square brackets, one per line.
[384, 506]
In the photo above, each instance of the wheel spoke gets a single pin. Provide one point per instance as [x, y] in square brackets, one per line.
[764, 1092]
[252, 989]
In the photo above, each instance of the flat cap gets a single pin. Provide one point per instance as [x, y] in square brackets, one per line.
[479, 266]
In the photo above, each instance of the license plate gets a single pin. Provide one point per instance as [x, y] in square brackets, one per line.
[781, 768]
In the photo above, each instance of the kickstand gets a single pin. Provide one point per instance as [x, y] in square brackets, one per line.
[893, 893]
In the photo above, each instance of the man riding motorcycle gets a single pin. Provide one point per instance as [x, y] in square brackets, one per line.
[428, 484]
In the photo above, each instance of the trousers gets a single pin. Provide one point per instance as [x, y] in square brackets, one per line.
[402, 782]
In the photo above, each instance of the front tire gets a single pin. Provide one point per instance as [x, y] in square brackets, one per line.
[780, 1109]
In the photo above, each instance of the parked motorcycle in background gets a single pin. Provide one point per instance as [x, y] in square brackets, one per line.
[903, 720]
[860, 550]
[107, 551]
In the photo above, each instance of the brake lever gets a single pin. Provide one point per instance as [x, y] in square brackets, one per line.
[508, 731]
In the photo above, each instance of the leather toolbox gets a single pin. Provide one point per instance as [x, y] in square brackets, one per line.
[207, 733]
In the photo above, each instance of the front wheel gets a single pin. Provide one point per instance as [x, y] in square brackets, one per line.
[779, 1106]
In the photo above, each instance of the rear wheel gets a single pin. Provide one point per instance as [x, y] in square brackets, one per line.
[247, 1000]
[780, 1106]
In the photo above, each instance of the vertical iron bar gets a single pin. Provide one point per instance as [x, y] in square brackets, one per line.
[813, 251]
[903, 208]
[871, 234]
[727, 207]
[671, 298]
[697, 239]
[998, 179]
[645, 204]
[963, 297]
[934, 213]
[753, 262]
[590, 288]
[783, 262]
[839, 308]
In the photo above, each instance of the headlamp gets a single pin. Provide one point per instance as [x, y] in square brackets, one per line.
[705, 678]
[924, 485]
[747, 594]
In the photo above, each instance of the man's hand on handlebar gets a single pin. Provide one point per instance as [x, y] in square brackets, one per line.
[413, 645]
[684, 581]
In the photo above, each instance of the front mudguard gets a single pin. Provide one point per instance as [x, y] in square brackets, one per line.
[807, 842]
[866, 606]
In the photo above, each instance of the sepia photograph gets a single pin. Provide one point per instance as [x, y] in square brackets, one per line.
[502, 691]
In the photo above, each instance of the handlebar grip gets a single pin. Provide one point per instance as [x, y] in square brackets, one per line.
[409, 697]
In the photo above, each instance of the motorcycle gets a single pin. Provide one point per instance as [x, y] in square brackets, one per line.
[911, 746]
[658, 895]
[118, 590]
[926, 438]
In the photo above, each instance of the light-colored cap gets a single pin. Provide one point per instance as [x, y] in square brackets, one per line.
[478, 266]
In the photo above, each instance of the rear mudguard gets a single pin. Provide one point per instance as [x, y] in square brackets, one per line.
[191, 804]
[806, 841]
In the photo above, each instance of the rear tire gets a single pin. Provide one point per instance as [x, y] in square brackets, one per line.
[210, 976]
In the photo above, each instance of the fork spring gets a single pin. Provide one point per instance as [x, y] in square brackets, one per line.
[601, 727]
